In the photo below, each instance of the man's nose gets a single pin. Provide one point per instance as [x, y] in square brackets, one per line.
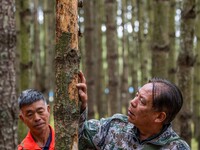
[37, 117]
[134, 102]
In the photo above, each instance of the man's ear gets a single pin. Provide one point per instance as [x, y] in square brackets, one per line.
[161, 117]
[21, 117]
[48, 108]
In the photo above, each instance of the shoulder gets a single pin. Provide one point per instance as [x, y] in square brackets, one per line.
[180, 144]
[118, 121]
[116, 118]
[120, 117]
[28, 143]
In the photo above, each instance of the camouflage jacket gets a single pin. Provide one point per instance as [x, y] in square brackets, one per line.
[116, 133]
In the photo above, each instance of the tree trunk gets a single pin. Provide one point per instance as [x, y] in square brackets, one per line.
[101, 102]
[49, 34]
[38, 82]
[186, 62]
[172, 68]
[24, 55]
[133, 53]
[142, 49]
[112, 57]
[9, 108]
[67, 59]
[89, 55]
[196, 103]
[172, 51]
[125, 72]
[160, 39]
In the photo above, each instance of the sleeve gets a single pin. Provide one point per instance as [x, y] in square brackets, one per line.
[92, 133]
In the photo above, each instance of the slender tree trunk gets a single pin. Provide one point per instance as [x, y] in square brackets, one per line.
[38, 82]
[173, 54]
[196, 103]
[172, 51]
[160, 41]
[67, 59]
[49, 34]
[89, 53]
[9, 108]
[186, 61]
[24, 55]
[150, 16]
[112, 57]
[143, 54]
[125, 72]
[133, 52]
[101, 103]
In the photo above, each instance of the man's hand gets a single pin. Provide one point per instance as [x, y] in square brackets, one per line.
[82, 90]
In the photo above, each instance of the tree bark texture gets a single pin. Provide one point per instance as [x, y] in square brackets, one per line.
[49, 34]
[196, 103]
[67, 59]
[24, 46]
[8, 102]
[124, 96]
[186, 61]
[112, 56]
[172, 50]
[160, 39]
[133, 52]
[89, 54]
[100, 100]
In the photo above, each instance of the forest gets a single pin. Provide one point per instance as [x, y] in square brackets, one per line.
[118, 44]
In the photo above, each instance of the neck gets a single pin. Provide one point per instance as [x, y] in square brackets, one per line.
[146, 133]
[41, 138]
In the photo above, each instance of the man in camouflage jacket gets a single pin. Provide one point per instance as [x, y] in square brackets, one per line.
[116, 133]
[146, 127]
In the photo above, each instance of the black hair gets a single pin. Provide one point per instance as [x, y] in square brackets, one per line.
[166, 97]
[29, 96]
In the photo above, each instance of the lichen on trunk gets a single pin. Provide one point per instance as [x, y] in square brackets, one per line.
[66, 108]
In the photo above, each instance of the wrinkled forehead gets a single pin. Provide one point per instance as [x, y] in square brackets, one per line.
[148, 88]
[146, 91]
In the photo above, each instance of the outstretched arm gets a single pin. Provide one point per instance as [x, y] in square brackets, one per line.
[82, 90]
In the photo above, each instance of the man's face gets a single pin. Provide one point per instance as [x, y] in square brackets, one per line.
[140, 111]
[36, 116]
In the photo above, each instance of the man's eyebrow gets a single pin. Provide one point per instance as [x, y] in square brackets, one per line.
[40, 108]
[28, 111]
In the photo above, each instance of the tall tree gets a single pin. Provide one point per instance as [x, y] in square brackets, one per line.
[100, 101]
[143, 53]
[172, 50]
[66, 67]
[125, 72]
[38, 82]
[24, 46]
[112, 56]
[186, 61]
[8, 113]
[196, 103]
[89, 54]
[49, 34]
[133, 52]
[172, 68]
[160, 39]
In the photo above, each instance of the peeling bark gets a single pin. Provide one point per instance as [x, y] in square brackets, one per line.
[67, 59]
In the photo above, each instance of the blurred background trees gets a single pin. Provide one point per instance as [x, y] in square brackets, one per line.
[124, 43]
